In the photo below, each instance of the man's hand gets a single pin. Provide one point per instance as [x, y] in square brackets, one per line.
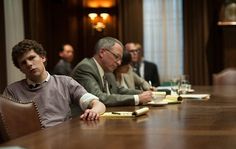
[89, 115]
[145, 97]
[152, 88]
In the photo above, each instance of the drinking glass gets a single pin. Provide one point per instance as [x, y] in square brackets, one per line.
[175, 85]
[184, 84]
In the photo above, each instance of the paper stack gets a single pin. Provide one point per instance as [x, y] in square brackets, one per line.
[135, 113]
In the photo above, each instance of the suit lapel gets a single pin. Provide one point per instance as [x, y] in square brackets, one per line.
[96, 74]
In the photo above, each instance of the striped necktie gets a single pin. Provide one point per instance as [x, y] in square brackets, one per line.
[105, 85]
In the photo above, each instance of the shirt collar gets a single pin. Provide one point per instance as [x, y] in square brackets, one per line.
[100, 70]
[29, 82]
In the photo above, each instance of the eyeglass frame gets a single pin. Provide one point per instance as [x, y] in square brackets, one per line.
[116, 56]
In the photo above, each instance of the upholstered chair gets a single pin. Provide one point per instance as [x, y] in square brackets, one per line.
[17, 119]
[225, 77]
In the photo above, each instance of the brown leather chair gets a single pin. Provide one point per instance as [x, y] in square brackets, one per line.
[225, 77]
[17, 119]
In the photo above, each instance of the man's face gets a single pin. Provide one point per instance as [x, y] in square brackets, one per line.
[111, 59]
[68, 53]
[134, 51]
[32, 65]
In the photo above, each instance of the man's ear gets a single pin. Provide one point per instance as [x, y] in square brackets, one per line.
[101, 53]
[44, 58]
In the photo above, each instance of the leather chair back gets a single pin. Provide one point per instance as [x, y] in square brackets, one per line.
[225, 77]
[18, 119]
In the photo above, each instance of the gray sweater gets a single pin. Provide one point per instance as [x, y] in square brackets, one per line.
[52, 98]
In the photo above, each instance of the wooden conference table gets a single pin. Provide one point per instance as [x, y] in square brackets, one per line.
[192, 124]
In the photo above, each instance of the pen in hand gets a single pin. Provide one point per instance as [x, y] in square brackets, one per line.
[151, 88]
[150, 82]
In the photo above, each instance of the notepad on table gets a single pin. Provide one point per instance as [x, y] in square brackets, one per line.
[157, 103]
[196, 96]
[158, 93]
[135, 113]
[173, 99]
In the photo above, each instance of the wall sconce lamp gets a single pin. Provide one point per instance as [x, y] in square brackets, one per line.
[228, 13]
[98, 21]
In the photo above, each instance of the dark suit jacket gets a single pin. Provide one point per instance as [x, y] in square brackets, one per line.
[62, 68]
[87, 74]
[151, 73]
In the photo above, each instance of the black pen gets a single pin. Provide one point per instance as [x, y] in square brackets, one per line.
[115, 113]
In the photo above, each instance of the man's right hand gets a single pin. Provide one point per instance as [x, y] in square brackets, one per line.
[145, 97]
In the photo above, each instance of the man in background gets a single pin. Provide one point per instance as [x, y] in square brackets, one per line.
[143, 68]
[63, 67]
[95, 74]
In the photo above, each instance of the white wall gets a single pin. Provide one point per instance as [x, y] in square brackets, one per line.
[14, 31]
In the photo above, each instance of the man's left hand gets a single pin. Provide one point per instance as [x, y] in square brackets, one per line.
[89, 115]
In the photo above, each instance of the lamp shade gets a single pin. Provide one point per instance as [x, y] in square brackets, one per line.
[228, 13]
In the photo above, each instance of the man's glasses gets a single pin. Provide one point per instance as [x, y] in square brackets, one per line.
[116, 56]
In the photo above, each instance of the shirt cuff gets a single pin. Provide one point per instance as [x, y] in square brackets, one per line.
[86, 99]
[136, 100]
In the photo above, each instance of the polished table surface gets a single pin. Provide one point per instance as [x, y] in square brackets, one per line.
[193, 124]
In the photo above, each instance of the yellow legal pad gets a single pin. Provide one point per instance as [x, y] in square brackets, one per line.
[173, 99]
[135, 113]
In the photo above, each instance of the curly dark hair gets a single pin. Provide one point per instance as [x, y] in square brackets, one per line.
[24, 46]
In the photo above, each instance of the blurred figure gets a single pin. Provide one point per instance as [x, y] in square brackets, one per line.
[127, 78]
[143, 68]
[63, 67]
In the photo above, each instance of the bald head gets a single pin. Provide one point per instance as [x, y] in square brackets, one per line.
[67, 53]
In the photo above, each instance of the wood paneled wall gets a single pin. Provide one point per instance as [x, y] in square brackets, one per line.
[54, 22]
[229, 46]
[131, 16]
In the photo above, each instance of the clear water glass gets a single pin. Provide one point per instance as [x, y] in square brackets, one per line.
[184, 84]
